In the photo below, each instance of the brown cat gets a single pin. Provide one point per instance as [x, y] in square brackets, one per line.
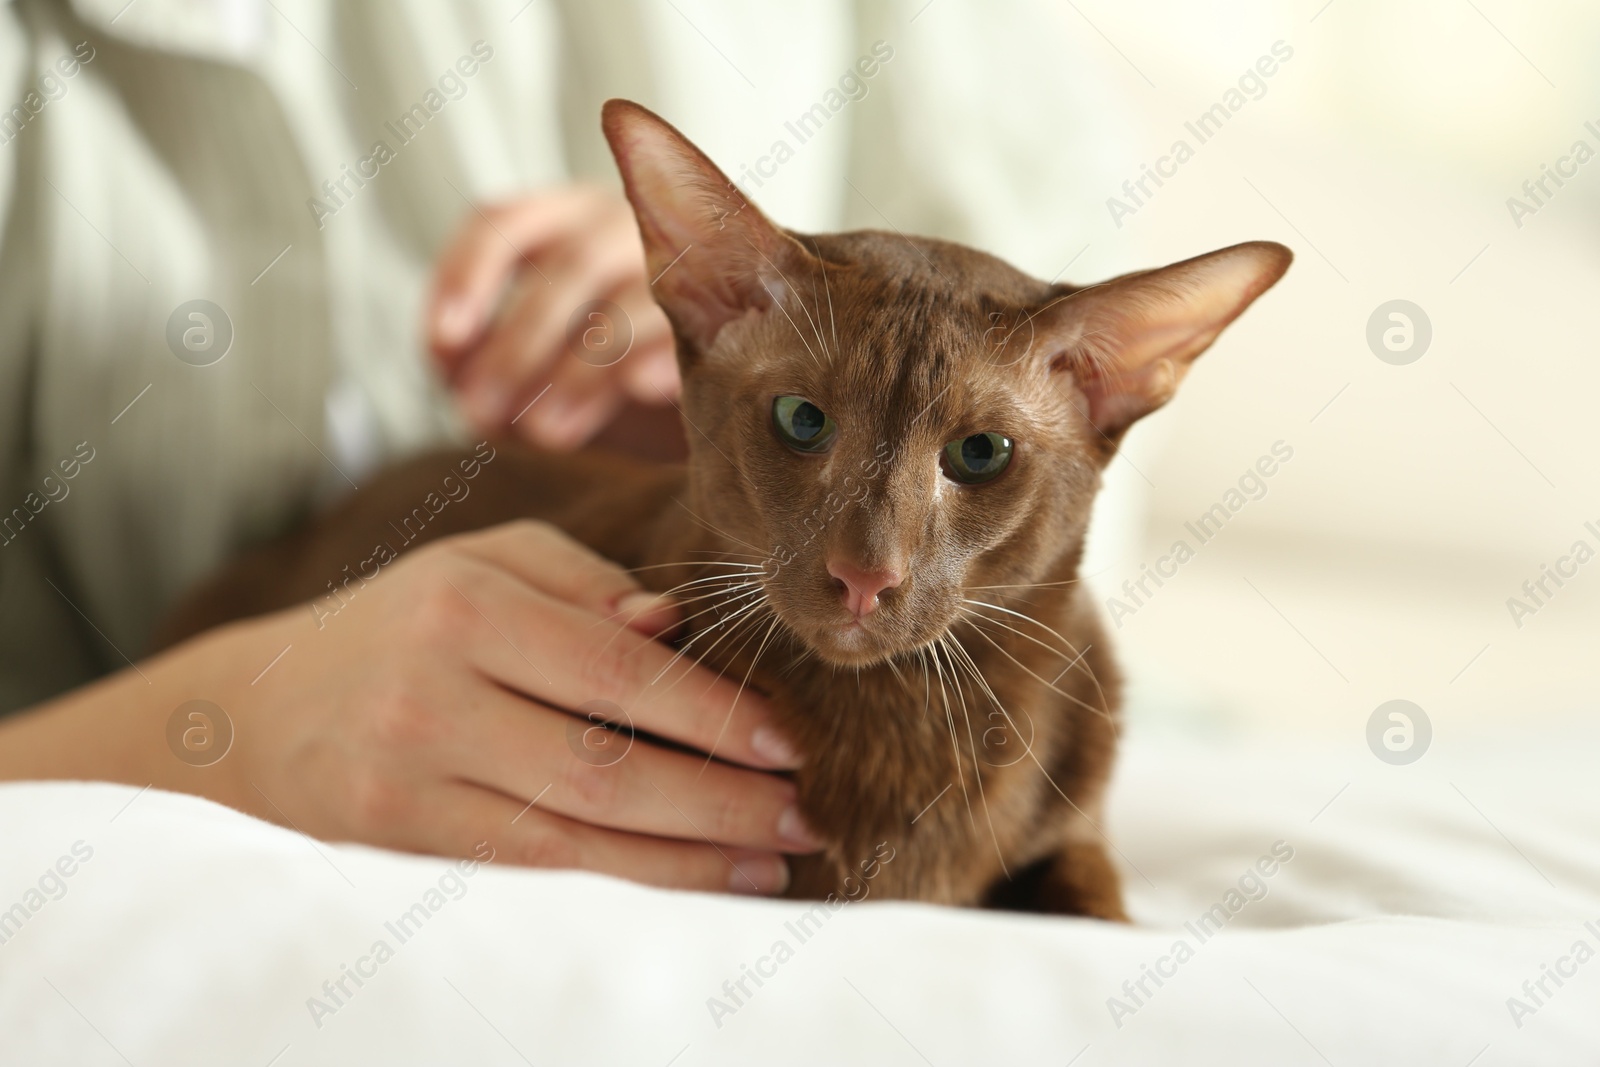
[894, 446]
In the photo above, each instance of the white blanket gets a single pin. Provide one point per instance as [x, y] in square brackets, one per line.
[1413, 915]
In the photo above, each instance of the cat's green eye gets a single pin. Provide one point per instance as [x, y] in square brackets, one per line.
[978, 458]
[802, 424]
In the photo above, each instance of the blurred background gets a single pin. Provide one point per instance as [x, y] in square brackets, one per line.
[1426, 484]
[1384, 150]
[1420, 496]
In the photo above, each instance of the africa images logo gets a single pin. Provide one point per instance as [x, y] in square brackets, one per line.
[1252, 886]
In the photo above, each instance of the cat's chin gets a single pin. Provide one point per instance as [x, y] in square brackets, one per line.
[853, 645]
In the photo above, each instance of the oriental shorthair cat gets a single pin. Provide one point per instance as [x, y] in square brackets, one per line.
[894, 446]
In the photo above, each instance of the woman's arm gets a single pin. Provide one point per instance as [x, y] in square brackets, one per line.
[427, 716]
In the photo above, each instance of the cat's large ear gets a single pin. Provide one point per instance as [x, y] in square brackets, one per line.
[1128, 342]
[711, 255]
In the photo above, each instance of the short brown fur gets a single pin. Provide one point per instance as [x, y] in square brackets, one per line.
[971, 720]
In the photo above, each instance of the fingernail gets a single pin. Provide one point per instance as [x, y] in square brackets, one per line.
[580, 419]
[486, 403]
[454, 323]
[642, 605]
[661, 375]
[792, 827]
[547, 416]
[773, 747]
[761, 876]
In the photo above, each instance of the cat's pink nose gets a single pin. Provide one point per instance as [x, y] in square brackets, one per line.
[858, 588]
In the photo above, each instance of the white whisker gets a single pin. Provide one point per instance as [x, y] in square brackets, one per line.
[761, 648]
[994, 698]
[713, 628]
[1072, 647]
[730, 578]
[1092, 824]
[718, 531]
[790, 287]
[1102, 712]
[699, 562]
[950, 719]
[833, 323]
[950, 647]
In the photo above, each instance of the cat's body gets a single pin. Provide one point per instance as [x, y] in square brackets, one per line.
[894, 445]
[882, 756]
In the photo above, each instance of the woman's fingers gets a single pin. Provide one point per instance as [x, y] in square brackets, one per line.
[556, 565]
[463, 816]
[580, 405]
[652, 378]
[609, 778]
[515, 357]
[566, 657]
[592, 379]
[503, 324]
[495, 243]
[543, 634]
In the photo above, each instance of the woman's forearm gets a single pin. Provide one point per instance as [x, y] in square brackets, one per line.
[119, 728]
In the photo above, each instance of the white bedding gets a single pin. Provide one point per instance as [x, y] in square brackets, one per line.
[1415, 904]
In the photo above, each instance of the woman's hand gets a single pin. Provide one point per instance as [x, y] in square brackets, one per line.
[517, 307]
[432, 713]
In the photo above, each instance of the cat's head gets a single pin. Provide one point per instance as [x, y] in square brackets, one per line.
[892, 425]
